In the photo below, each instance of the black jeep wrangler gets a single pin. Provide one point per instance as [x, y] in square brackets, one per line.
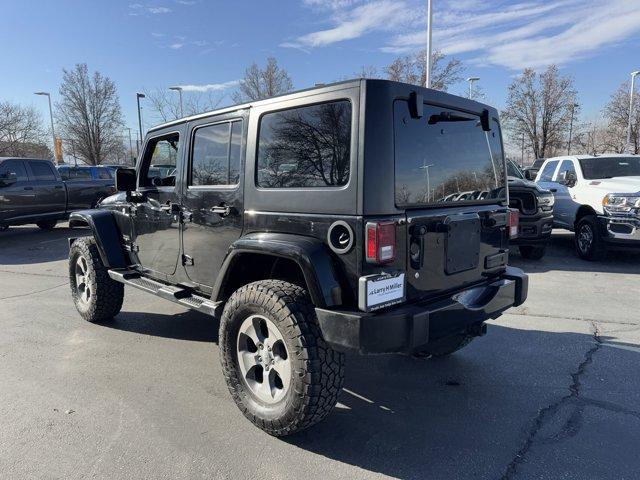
[327, 220]
[535, 208]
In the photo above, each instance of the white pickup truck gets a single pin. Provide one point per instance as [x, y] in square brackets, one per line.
[598, 198]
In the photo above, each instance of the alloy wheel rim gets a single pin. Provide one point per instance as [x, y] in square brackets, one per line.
[585, 238]
[263, 359]
[82, 280]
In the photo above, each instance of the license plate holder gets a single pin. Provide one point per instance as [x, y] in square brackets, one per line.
[462, 246]
[381, 290]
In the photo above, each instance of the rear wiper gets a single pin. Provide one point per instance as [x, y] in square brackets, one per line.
[448, 117]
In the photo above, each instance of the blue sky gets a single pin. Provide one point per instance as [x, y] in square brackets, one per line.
[207, 44]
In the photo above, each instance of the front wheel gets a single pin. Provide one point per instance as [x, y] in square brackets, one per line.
[279, 370]
[588, 240]
[47, 224]
[96, 296]
[532, 253]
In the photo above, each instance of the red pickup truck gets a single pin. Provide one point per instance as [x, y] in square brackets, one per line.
[32, 191]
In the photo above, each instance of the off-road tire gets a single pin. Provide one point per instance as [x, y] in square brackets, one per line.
[531, 252]
[596, 250]
[47, 224]
[445, 346]
[106, 296]
[317, 371]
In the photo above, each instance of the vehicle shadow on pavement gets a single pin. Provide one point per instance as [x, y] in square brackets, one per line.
[561, 256]
[491, 409]
[28, 245]
[189, 325]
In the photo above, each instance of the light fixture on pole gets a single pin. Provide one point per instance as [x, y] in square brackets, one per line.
[573, 111]
[179, 90]
[633, 80]
[138, 97]
[53, 133]
[427, 80]
[471, 80]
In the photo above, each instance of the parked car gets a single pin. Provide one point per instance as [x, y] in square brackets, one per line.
[535, 206]
[346, 249]
[598, 198]
[32, 191]
[531, 171]
[94, 173]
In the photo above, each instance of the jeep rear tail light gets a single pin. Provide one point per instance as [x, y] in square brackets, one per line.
[514, 221]
[381, 242]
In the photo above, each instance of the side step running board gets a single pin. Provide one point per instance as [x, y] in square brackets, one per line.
[169, 292]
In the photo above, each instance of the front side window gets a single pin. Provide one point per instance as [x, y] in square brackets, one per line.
[565, 166]
[446, 156]
[42, 171]
[216, 154]
[513, 170]
[304, 147]
[160, 161]
[13, 166]
[548, 171]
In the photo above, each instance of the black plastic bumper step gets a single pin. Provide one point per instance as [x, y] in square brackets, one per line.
[175, 294]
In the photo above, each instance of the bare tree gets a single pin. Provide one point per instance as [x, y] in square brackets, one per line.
[413, 69]
[540, 107]
[21, 132]
[164, 105]
[616, 113]
[89, 114]
[263, 83]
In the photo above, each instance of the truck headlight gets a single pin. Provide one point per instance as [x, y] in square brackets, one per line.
[546, 201]
[613, 203]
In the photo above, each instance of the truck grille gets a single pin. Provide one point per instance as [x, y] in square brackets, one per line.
[525, 202]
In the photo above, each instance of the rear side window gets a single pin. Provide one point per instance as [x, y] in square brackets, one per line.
[13, 166]
[446, 156]
[216, 154]
[104, 174]
[305, 147]
[547, 171]
[42, 171]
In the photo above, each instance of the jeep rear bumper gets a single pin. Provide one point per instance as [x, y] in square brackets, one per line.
[408, 328]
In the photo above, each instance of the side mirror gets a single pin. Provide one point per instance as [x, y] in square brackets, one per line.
[126, 180]
[570, 179]
[8, 178]
[528, 174]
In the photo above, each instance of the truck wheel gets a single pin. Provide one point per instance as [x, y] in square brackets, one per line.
[47, 224]
[531, 252]
[96, 296]
[446, 346]
[279, 370]
[588, 240]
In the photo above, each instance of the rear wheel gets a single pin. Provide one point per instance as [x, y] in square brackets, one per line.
[47, 224]
[279, 370]
[531, 252]
[588, 240]
[96, 296]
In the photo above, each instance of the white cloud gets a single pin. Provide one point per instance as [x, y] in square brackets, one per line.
[157, 35]
[209, 87]
[354, 23]
[176, 46]
[330, 4]
[159, 10]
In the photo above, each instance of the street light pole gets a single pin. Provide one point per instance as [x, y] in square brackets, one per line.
[633, 80]
[426, 169]
[130, 144]
[427, 82]
[138, 97]
[471, 80]
[53, 133]
[179, 90]
[573, 109]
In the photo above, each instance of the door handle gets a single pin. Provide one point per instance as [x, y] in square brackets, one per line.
[28, 188]
[554, 190]
[222, 210]
[58, 187]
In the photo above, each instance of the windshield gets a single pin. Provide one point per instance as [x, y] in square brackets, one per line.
[445, 156]
[513, 170]
[609, 167]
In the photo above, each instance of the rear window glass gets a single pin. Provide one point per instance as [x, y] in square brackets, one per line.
[308, 146]
[445, 156]
[104, 174]
[42, 171]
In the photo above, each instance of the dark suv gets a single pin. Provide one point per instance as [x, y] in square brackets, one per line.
[311, 224]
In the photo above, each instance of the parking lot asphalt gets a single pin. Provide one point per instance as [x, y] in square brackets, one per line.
[552, 391]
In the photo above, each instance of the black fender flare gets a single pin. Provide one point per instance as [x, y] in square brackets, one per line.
[106, 233]
[310, 254]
